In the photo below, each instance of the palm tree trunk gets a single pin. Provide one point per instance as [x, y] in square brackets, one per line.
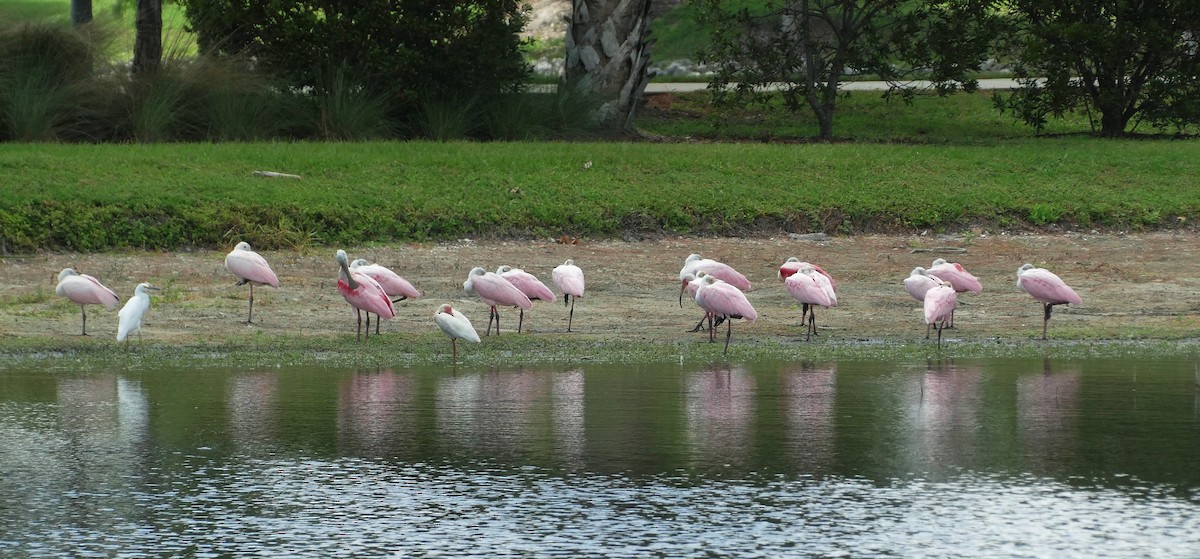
[81, 12]
[607, 55]
[147, 47]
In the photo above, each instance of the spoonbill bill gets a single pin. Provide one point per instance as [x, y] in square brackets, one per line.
[83, 289]
[1047, 288]
[528, 284]
[250, 268]
[455, 325]
[495, 290]
[568, 278]
[363, 293]
[129, 319]
[722, 299]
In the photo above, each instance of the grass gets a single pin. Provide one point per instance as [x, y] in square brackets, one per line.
[115, 15]
[169, 196]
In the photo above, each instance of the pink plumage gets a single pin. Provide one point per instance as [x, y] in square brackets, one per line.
[1045, 286]
[368, 295]
[939, 303]
[568, 278]
[953, 272]
[495, 290]
[527, 283]
[723, 299]
[807, 287]
[695, 263]
[793, 265]
[83, 289]
[391, 282]
[919, 282]
[249, 266]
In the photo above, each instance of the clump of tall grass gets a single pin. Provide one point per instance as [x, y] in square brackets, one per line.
[349, 110]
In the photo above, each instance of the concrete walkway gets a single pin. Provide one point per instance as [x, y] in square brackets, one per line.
[989, 83]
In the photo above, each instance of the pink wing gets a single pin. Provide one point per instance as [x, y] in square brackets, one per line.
[725, 273]
[959, 277]
[1047, 287]
[832, 282]
[369, 296]
[787, 269]
[529, 285]
[391, 282]
[86, 290]
[248, 265]
[939, 303]
[918, 285]
[723, 299]
[805, 289]
[494, 288]
[569, 280]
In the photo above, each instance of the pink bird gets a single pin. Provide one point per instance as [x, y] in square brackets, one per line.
[811, 288]
[692, 284]
[249, 268]
[495, 290]
[724, 300]
[528, 284]
[83, 289]
[1047, 288]
[792, 265]
[917, 284]
[956, 275]
[695, 263]
[391, 282]
[363, 293]
[939, 306]
[568, 278]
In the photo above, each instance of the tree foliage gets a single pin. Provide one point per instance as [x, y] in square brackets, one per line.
[405, 49]
[1120, 61]
[805, 48]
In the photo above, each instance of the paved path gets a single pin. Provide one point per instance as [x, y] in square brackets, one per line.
[989, 83]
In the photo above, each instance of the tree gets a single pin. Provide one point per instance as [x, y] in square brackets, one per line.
[804, 48]
[607, 54]
[81, 12]
[1124, 60]
[147, 46]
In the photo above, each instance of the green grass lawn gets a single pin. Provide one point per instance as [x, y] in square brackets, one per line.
[167, 196]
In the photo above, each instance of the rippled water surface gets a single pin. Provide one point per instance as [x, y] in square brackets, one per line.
[949, 459]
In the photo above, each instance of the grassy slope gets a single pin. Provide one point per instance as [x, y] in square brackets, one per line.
[88, 197]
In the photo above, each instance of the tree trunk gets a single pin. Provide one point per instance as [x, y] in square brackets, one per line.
[81, 12]
[607, 56]
[147, 47]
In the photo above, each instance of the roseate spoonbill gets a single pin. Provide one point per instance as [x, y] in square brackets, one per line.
[130, 316]
[495, 290]
[917, 284]
[455, 325]
[724, 272]
[939, 305]
[363, 293]
[568, 278]
[250, 268]
[693, 283]
[811, 288]
[793, 265]
[959, 277]
[723, 299]
[83, 289]
[1047, 288]
[528, 284]
[391, 282]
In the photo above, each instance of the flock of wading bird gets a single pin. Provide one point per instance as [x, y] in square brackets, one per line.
[716, 287]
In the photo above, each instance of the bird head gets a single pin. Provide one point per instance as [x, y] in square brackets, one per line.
[242, 246]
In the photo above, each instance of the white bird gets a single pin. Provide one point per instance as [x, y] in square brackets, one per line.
[568, 278]
[83, 289]
[455, 325]
[1047, 288]
[811, 288]
[939, 307]
[495, 290]
[250, 268]
[918, 283]
[130, 316]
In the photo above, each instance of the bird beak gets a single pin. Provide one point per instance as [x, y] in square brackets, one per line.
[154, 288]
[682, 288]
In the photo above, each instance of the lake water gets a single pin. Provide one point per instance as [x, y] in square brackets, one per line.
[1003, 458]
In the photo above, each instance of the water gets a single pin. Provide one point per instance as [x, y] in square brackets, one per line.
[953, 459]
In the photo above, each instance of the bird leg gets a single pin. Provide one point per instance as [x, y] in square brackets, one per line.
[521, 321]
[497, 311]
[1046, 318]
[951, 319]
[571, 315]
[84, 311]
[941, 324]
[803, 315]
[359, 332]
[250, 317]
[454, 349]
[700, 325]
[728, 334]
[927, 327]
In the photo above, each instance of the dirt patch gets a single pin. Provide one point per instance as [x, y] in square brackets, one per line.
[1137, 284]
